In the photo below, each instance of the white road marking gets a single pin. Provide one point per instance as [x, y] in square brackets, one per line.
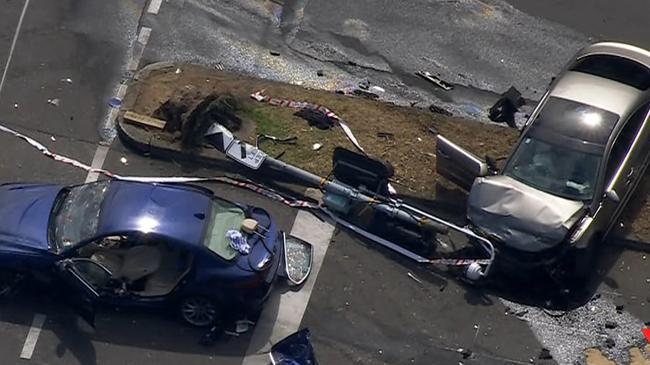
[283, 313]
[138, 48]
[154, 6]
[32, 336]
[13, 44]
[98, 162]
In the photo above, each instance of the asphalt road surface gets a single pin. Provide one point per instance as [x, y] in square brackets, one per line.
[363, 308]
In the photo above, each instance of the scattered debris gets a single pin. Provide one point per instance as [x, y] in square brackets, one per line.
[377, 89]
[465, 353]
[365, 84]
[503, 111]
[386, 135]
[16, 106]
[67, 80]
[124, 161]
[213, 107]
[433, 130]
[619, 305]
[316, 118]
[419, 139]
[263, 137]
[284, 352]
[219, 66]
[366, 94]
[438, 110]
[435, 80]
[178, 70]
[115, 102]
[545, 354]
[609, 342]
[274, 53]
[320, 73]
[611, 324]
[144, 120]
[52, 138]
[54, 102]
[414, 277]
[316, 146]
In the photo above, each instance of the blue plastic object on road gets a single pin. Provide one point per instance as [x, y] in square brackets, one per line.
[238, 242]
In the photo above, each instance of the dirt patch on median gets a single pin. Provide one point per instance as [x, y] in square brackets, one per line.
[402, 136]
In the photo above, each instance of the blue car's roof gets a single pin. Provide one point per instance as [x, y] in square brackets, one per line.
[176, 212]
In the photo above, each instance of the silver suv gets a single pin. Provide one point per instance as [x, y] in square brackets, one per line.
[579, 158]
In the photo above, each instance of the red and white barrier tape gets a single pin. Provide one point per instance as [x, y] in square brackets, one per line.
[269, 193]
[259, 96]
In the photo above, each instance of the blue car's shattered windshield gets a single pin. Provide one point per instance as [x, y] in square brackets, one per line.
[77, 214]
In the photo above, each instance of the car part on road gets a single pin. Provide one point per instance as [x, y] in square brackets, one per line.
[298, 259]
[503, 111]
[295, 349]
[435, 80]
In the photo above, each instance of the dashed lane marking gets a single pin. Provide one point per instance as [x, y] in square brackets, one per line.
[13, 44]
[32, 336]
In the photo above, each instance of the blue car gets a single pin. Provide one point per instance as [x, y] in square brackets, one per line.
[145, 244]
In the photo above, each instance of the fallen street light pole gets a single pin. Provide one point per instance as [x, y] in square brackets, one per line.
[252, 157]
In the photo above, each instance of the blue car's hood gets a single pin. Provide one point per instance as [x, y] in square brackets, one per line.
[24, 213]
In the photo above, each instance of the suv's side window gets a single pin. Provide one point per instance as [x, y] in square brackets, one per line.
[624, 141]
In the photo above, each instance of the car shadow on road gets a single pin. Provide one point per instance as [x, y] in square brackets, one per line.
[146, 330]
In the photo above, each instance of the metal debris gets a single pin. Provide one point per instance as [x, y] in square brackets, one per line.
[67, 80]
[377, 89]
[53, 139]
[386, 135]
[178, 70]
[316, 146]
[414, 277]
[54, 101]
[435, 80]
[124, 161]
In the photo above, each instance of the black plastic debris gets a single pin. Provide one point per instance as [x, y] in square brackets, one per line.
[611, 324]
[545, 354]
[357, 170]
[365, 84]
[320, 73]
[438, 110]
[465, 353]
[315, 118]
[296, 349]
[503, 111]
[609, 342]
[274, 53]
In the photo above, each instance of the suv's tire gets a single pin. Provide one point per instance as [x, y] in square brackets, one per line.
[199, 311]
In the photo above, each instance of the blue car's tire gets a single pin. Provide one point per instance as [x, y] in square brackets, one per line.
[199, 311]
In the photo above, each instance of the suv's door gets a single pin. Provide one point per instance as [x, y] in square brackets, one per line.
[457, 164]
[82, 281]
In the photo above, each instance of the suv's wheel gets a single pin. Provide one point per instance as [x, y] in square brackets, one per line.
[199, 311]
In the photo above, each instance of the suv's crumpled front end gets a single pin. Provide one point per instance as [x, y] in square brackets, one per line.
[520, 217]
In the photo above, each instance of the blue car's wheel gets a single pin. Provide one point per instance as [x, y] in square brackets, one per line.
[199, 311]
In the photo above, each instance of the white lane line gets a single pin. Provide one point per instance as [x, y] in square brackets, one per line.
[274, 326]
[32, 336]
[13, 45]
[98, 162]
[154, 6]
[138, 48]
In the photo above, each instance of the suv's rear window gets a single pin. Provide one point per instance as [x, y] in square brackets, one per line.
[615, 68]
